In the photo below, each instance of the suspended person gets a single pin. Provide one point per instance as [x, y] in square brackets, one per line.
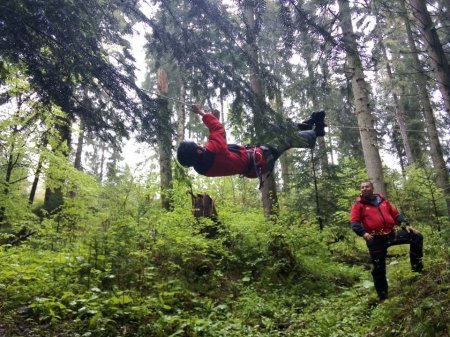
[374, 218]
[218, 158]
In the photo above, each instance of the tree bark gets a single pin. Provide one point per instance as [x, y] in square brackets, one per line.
[361, 98]
[37, 173]
[442, 176]
[80, 144]
[312, 93]
[268, 191]
[399, 110]
[54, 198]
[164, 142]
[181, 114]
[284, 159]
[434, 49]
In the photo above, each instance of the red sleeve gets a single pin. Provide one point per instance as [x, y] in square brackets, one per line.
[394, 212]
[355, 213]
[217, 141]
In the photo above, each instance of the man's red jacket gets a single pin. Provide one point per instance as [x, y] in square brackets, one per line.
[222, 159]
[377, 216]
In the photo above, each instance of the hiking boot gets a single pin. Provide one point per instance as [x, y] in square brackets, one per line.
[304, 126]
[320, 129]
[382, 296]
[316, 117]
[417, 268]
[320, 125]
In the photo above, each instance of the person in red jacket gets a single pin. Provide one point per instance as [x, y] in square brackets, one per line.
[374, 218]
[218, 158]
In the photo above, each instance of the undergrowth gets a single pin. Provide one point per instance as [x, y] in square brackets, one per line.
[163, 277]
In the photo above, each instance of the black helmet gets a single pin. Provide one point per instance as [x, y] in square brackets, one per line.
[187, 153]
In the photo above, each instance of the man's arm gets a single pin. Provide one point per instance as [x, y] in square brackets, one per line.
[197, 110]
[216, 140]
[356, 224]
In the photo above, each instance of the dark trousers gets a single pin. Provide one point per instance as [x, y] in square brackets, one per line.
[378, 250]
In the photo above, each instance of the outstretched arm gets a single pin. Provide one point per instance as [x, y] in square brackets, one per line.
[217, 140]
[197, 110]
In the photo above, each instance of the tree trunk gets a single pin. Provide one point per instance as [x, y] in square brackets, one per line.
[37, 173]
[268, 190]
[9, 169]
[33, 190]
[284, 159]
[54, 198]
[181, 114]
[164, 142]
[253, 60]
[80, 144]
[434, 49]
[442, 176]
[13, 159]
[399, 110]
[313, 96]
[361, 98]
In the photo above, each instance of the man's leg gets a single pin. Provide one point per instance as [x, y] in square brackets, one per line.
[377, 250]
[305, 138]
[415, 241]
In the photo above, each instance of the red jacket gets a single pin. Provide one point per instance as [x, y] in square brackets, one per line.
[376, 217]
[222, 159]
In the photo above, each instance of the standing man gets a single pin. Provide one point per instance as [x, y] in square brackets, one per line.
[373, 217]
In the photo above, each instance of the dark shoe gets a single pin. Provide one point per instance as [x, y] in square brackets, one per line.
[320, 129]
[382, 297]
[319, 123]
[304, 126]
[417, 270]
[316, 117]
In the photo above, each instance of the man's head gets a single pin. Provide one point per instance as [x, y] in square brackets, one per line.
[188, 153]
[367, 189]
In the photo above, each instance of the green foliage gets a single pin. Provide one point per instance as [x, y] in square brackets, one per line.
[104, 267]
[418, 196]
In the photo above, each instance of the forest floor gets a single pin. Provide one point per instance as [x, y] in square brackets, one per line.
[296, 284]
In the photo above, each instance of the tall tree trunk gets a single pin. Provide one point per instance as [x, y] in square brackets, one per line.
[164, 142]
[268, 190]
[313, 95]
[326, 76]
[12, 160]
[434, 49]
[399, 110]
[80, 144]
[442, 176]
[361, 97]
[37, 173]
[181, 114]
[284, 159]
[54, 198]
[254, 67]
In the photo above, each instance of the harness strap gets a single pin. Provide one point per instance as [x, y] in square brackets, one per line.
[253, 165]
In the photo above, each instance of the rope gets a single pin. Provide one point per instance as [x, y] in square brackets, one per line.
[366, 128]
[329, 125]
[166, 97]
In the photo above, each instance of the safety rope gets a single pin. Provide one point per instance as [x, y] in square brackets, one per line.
[329, 125]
